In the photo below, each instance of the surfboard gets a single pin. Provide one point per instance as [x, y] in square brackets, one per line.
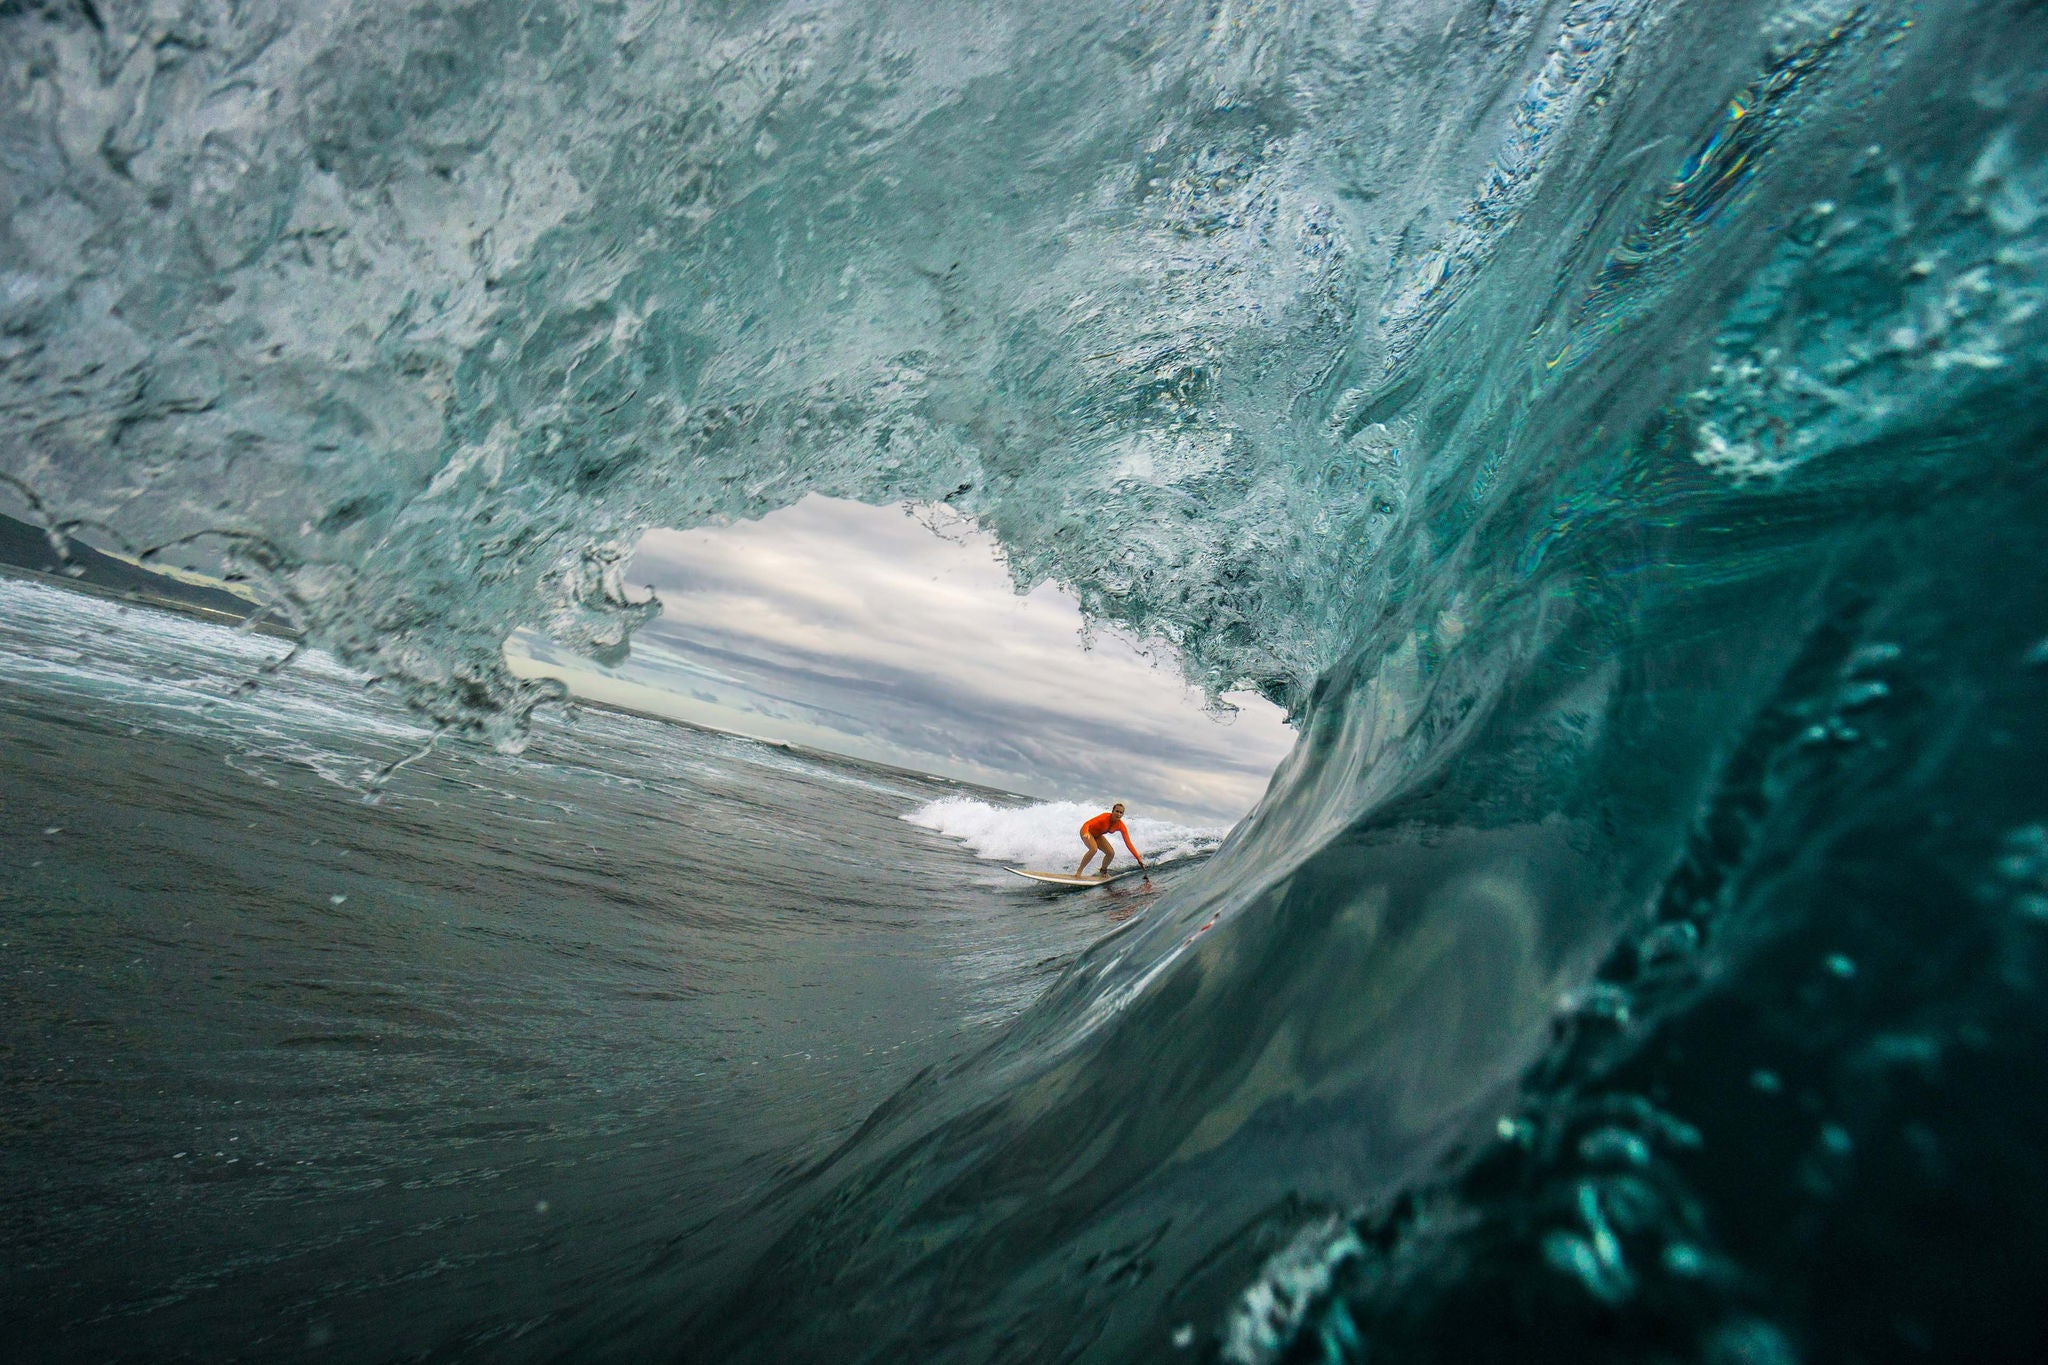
[1069, 879]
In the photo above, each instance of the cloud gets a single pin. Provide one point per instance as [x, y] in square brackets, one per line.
[859, 630]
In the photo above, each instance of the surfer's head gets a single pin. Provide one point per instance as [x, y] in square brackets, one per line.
[1117, 809]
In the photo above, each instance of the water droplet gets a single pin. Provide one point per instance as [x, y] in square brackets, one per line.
[1682, 1258]
[1840, 965]
[1614, 1145]
[1670, 940]
[1601, 1000]
[1749, 1342]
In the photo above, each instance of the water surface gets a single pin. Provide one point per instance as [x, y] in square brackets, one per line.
[503, 1052]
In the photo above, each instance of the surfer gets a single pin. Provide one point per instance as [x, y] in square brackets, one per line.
[1095, 834]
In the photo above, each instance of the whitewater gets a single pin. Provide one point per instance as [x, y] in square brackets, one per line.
[1611, 429]
[1043, 835]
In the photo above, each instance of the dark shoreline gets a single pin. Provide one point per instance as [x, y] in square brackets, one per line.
[116, 580]
[131, 597]
[26, 552]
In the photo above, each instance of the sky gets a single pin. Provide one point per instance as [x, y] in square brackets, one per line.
[863, 631]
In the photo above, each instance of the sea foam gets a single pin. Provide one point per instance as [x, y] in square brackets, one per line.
[1048, 835]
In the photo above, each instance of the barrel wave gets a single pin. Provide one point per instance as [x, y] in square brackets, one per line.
[1611, 428]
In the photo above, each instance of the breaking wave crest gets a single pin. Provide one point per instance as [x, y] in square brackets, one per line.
[1610, 427]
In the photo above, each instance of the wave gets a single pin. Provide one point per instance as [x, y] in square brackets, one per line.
[1043, 835]
[1609, 427]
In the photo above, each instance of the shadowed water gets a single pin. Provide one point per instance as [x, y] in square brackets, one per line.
[1612, 429]
[502, 1058]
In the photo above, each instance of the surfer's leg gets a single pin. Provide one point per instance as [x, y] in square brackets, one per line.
[1095, 845]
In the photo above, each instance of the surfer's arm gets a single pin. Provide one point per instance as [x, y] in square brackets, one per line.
[1125, 831]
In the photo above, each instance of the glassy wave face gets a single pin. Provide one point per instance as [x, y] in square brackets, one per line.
[1611, 427]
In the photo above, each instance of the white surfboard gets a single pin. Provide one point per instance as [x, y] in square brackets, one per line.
[1069, 879]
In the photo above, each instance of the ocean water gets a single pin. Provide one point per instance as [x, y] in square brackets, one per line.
[508, 1059]
[1612, 429]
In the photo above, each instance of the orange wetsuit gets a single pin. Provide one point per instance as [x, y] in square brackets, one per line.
[1107, 821]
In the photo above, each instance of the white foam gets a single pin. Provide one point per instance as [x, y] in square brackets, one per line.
[1048, 835]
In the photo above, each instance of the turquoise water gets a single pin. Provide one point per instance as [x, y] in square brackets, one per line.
[1610, 428]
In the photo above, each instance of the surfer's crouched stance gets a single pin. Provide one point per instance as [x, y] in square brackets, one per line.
[1095, 834]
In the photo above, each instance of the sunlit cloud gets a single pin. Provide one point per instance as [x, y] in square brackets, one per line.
[859, 630]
